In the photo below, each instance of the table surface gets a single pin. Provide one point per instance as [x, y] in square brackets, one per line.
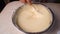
[6, 24]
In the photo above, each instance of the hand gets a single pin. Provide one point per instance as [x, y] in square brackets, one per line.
[26, 1]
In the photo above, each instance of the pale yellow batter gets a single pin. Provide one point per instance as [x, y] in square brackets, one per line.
[32, 21]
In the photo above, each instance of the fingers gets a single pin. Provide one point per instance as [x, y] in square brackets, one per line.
[26, 1]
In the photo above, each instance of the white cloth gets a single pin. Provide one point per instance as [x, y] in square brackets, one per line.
[6, 25]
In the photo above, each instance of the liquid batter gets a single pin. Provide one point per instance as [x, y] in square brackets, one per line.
[34, 20]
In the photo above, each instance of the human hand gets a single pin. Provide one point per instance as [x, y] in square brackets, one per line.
[26, 1]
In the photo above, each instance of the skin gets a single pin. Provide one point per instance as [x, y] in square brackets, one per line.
[26, 1]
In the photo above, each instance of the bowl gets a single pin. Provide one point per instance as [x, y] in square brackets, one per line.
[15, 20]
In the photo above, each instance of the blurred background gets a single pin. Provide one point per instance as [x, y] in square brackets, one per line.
[4, 2]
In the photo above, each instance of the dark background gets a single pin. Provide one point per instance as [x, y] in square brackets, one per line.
[4, 2]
